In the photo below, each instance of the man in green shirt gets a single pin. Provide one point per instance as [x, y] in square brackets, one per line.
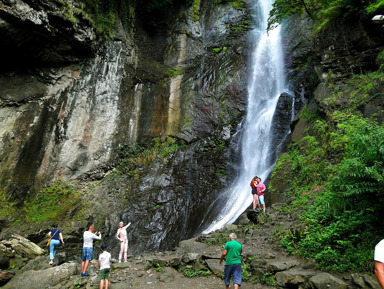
[232, 255]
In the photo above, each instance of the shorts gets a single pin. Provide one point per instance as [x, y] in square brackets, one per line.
[104, 274]
[254, 191]
[87, 254]
[234, 270]
[261, 200]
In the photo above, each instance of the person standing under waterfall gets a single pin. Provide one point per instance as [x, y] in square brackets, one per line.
[260, 194]
[254, 192]
[232, 254]
[122, 236]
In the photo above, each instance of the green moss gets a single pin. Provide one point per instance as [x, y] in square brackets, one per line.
[52, 203]
[7, 205]
[219, 49]
[237, 4]
[132, 157]
[196, 10]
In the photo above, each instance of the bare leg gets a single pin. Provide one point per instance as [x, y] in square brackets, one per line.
[102, 284]
[255, 199]
[121, 250]
[125, 250]
[106, 283]
[235, 286]
[86, 263]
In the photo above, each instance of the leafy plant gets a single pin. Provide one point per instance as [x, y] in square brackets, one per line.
[268, 279]
[159, 268]
[340, 193]
[323, 12]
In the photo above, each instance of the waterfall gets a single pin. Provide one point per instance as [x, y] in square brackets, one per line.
[265, 85]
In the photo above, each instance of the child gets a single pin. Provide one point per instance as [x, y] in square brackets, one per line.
[104, 265]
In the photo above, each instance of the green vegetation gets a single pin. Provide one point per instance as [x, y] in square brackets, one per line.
[219, 239]
[237, 4]
[323, 12]
[268, 279]
[159, 268]
[196, 10]
[190, 272]
[52, 203]
[243, 25]
[134, 156]
[7, 205]
[77, 284]
[337, 179]
[219, 49]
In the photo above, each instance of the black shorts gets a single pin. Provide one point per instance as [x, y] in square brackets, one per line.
[254, 191]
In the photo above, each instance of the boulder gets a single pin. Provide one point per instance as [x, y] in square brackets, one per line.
[167, 261]
[215, 267]
[277, 266]
[168, 275]
[43, 278]
[5, 276]
[17, 250]
[191, 246]
[326, 281]
[365, 281]
[292, 278]
[190, 257]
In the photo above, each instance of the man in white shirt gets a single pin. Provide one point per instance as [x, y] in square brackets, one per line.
[88, 238]
[379, 262]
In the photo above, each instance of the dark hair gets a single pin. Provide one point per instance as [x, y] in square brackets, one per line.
[103, 247]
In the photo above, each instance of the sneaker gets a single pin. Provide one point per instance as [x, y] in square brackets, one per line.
[83, 274]
[86, 274]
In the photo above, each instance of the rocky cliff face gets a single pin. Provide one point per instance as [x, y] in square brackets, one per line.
[68, 104]
[318, 64]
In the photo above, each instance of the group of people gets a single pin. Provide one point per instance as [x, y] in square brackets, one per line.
[104, 261]
[258, 189]
[231, 253]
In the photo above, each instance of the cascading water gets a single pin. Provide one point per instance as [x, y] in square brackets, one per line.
[266, 83]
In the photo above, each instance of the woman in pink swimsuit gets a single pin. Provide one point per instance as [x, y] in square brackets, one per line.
[122, 236]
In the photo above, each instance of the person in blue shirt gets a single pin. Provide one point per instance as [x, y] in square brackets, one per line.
[56, 237]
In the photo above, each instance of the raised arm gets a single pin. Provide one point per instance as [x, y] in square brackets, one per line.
[125, 227]
[97, 237]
